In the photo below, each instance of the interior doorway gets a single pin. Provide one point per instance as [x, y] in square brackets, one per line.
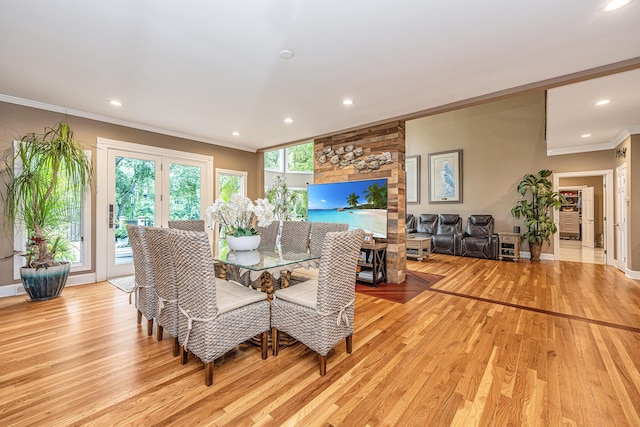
[590, 239]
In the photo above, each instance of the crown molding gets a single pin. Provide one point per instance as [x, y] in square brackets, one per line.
[86, 115]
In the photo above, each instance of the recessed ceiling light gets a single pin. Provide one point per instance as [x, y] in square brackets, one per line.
[603, 102]
[288, 120]
[286, 54]
[585, 135]
[235, 133]
[347, 101]
[615, 5]
[115, 103]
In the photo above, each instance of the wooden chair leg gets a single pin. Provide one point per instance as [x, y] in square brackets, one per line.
[349, 344]
[208, 373]
[323, 364]
[274, 341]
[139, 317]
[176, 347]
[264, 344]
[184, 355]
[159, 331]
[150, 327]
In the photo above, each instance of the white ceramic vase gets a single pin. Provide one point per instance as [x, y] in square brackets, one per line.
[243, 243]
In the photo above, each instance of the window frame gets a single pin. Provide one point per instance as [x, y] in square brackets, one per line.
[84, 264]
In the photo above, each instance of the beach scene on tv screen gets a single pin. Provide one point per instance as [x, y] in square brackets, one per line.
[361, 204]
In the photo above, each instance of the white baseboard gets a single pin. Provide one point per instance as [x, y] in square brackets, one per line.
[527, 255]
[17, 289]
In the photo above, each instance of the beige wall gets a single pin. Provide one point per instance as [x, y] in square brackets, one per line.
[500, 141]
[16, 120]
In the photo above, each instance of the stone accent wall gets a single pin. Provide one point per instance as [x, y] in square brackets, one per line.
[387, 142]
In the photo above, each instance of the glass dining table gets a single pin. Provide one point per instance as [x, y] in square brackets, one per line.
[267, 266]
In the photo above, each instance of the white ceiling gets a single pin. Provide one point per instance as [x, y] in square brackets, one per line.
[203, 68]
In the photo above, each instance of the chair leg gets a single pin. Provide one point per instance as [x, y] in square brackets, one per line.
[208, 373]
[159, 331]
[323, 364]
[349, 343]
[264, 344]
[176, 347]
[184, 355]
[139, 317]
[274, 341]
[150, 327]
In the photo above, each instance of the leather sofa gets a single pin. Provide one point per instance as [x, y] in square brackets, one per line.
[445, 230]
[479, 239]
[426, 225]
[446, 240]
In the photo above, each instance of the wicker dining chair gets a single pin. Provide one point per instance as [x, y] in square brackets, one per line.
[268, 236]
[166, 286]
[215, 315]
[319, 313]
[294, 236]
[316, 241]
[145, 293]
[188, 224]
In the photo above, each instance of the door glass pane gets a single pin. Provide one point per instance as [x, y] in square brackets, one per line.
[184, 192]
[135, 200]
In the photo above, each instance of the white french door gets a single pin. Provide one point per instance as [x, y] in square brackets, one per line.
[144, 189]
[621, 217]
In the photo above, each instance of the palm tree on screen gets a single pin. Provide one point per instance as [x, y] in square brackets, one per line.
[353, 200]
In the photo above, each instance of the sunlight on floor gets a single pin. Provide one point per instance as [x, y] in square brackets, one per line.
[572, 250]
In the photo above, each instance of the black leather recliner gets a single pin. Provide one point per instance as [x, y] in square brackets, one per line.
[427, 225]
[446, 240]
[479, 239]
[411, 223]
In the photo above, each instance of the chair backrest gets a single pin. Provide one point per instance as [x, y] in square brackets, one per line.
[188, 224]
[318, 233]
[411, 222]
[165, 278]
[337, 271]
[295, 236]
[480, 226]
[427, 223]
[195, 278]
[449, 224]
[146, 299]
[268, 236]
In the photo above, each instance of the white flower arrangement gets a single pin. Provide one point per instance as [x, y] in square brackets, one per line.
[236, 216]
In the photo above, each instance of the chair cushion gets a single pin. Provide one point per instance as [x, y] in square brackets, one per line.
[232, 295]
[305, 293]
[304, 274]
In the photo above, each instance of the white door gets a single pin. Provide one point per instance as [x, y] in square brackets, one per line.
[134, 192]
[621, 217]
[588, 221]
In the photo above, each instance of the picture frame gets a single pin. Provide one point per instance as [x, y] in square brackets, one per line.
[445, 177]
[412, 168]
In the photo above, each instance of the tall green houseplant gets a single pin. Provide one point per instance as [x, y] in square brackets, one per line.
[538, 200]
[46, 175]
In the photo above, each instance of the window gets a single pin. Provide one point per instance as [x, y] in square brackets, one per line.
[300, 158]
[77, 231]
[273, 160]
[230, 182]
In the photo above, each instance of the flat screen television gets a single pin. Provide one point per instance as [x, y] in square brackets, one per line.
[361, 204]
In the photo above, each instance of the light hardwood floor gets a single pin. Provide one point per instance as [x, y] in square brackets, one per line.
[492, 344]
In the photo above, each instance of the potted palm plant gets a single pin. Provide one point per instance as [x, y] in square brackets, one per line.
[46, 175]
[538, 200]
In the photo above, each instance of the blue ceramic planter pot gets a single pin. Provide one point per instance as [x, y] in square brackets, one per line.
[45, 283]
